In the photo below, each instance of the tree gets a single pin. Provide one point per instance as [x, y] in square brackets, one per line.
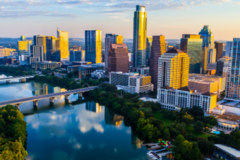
[166, 134]
[205, 146]
[188, 119]
[198, 126]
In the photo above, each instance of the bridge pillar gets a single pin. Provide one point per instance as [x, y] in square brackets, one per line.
[80, 94]
[17, 106]
[52, 99]
[35, 103]
[22, 80]
[67, 96]
[8, 81]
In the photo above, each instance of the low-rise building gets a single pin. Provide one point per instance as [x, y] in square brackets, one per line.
[98, 74]
[45, 65]
[147, 99]
[225, 152]
[171, 98]
[86, 70]
[131, 82]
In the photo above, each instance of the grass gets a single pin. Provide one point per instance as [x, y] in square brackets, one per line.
[189, 128]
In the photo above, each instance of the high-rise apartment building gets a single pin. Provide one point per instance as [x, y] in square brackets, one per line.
[118, 58]
[111, 39]
[63, 43]
[50, 47]
[192, 45]
[208, 41]
[233, 80]
[140, 36]
[173, 69]
[223, 65]
[38, 52]
[204, 60]
[157, 49]
[93, 46]
[77, 55]
[148, 52]
[24, 46]
[219, 50]
[40, 41]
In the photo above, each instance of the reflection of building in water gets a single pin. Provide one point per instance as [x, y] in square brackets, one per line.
[46, 89]
[136, 142]
[94, 107]
[112, 119]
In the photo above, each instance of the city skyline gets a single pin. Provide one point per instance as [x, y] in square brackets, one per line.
[117, 17]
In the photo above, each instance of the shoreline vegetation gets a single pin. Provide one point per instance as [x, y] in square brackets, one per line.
[15, 71]
[13, 134]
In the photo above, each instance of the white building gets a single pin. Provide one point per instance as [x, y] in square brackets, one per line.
[98, 74]
[131, 82]
[172, 99]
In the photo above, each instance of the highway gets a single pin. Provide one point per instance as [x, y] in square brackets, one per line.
[36, 98]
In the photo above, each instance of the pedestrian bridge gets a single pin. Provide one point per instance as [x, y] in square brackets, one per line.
[35, 99]
[21, 78]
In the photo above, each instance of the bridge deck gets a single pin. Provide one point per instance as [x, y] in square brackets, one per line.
[29, 99]
[21, 77]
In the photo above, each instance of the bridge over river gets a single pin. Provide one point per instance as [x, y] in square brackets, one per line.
[35, 99]
[21, 78]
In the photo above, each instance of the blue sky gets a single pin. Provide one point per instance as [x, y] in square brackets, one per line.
[171, 18]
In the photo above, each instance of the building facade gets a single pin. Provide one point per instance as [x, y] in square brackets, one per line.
[173, 69]
[46, 65]
[118, 58]
[148, 51]
[219, 50]
[93, 46]
[173, 99]
[111, 39]
[24, 46]
[223, 65]
[204, 60]
[158, 48]
[77, 55]
[139, 36]
[192, 45]
[63, 43]
[228, 48]
[131, 82]
[233, 82]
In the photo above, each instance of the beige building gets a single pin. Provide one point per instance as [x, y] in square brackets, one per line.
[6, 51]
[46, 65]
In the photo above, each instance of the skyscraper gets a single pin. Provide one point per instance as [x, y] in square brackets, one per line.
[39, 40]
[63, 43]
[24, 46]
[118, 58]
[233, 80]
[204, 60]
[229, 46]
[93, 46]
[208, 41]
[192, 45]
[148, 52]
[139, 36]
[173, 69]
[158, 48]
[111, 39]
[77, 55]
[50, 47]
[219, 50]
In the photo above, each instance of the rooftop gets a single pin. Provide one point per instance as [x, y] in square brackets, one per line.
[229, 150]
[174, 50]
[230, 103]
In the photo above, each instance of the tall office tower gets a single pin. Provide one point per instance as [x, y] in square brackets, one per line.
[93, 46]
[204, 60]
[110, 39]
[50, 47]
[208, 41]
[40, 41]
[229, 46]
[219, 50]
[223, 66]
[38, 53]
[192, 45]
[24, 46]
[63, 43]
[77, 55]
[118, 58]
[148, 51]
[158, 48]
[139, 36]
[233, 80]
[173, 69]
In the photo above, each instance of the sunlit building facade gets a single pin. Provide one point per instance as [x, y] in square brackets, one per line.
[233, 81]
[63, 43]
[204, 60]
[173, 69]
[192, 45]
[6, 51]
[51, 47]
[140, 36]
[111, 39]
[208, 41]
[24, 46]
[93, 46]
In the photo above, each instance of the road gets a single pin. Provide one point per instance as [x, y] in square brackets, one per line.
[29, 99]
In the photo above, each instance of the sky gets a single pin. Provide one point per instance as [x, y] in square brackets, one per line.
[171, 18]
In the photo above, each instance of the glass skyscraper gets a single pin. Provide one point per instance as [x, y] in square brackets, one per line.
[192, 45]
[139, 36]
[148, 52]
[233, 82]
[93, 46]
[63, 43]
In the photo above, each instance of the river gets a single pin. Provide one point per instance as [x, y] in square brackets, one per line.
[72, 130]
